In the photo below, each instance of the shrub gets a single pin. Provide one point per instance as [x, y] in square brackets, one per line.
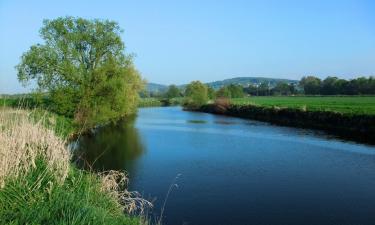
[222, 105]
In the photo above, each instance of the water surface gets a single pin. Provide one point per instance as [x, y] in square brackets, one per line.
[236, 171]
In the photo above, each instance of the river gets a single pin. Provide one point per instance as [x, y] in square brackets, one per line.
[236, 171]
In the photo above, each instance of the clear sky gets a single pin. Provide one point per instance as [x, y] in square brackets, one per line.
[179, 41]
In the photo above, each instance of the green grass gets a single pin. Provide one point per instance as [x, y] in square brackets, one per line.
[37, 195]
[149, 102]
[154, 102]
[37, 198]
[361, 105]
[63, 126]
[25, 100]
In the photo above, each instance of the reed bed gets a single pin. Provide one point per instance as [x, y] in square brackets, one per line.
[23, 142]
[39, 185]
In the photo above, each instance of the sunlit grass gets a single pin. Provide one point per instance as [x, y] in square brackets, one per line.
[343, 104]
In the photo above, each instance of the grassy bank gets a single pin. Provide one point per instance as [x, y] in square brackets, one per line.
[39, 185]
[348, 117]
[149, 102]
[155, 102]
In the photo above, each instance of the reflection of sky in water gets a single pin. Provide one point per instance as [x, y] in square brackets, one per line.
[253, 129]
[237, 171]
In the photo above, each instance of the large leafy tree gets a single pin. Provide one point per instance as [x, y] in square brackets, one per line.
[236, 91]
[173, 92]
[84, 69]
[311, 85]
[329, 86]
[282, 88]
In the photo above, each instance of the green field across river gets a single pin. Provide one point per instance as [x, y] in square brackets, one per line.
[343, 104]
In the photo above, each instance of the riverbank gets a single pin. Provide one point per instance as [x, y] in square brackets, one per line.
[38, 183]
[358, 127]
[156, 102]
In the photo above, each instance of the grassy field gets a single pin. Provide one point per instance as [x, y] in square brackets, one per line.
[361, 105]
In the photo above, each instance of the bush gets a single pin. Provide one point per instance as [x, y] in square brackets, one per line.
[222, 105]
[196, 95]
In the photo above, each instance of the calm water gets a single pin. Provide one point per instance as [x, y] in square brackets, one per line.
[236, 171]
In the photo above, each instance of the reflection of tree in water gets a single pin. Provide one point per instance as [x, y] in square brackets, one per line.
[114, 146]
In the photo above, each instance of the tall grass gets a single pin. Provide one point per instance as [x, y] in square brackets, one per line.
[23, 141]
[39, 185]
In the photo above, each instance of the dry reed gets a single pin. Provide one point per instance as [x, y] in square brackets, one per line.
[23, 141]
[115, 183]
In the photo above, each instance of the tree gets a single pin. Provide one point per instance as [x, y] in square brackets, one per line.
[211, 92]
[330, 86]
[310, 85]
[264, 88]
[173, 92]
[236, 91]
[196, 95]
[282, 88]
[223, 92]
[83, 68]
[292, 88]
[251, 89]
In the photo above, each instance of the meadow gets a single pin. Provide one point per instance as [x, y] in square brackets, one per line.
[358, 105]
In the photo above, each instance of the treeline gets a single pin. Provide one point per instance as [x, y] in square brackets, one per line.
[334, 86]
[230, 91]
[312, 85]
[309, 85]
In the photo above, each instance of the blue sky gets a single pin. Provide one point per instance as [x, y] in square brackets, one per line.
[180, 41]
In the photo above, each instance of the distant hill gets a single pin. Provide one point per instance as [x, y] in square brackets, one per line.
[156, 88]
[244, 81]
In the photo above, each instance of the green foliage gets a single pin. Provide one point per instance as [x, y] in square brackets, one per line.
[223, 92]
[22, 101]
[149, 102]
[236, 91]
[62, 126]
[264, 88]
[211, 92]
[246, 81]
[311, 85]
[83, 67]
[359, 105]
[176, 101]
[283, 88]
[196, 95]
[335, 86]
[230, 91]
[173, 92]
[38, 198]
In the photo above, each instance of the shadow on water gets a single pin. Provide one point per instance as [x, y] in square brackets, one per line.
[196, 121]
[111, 147]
